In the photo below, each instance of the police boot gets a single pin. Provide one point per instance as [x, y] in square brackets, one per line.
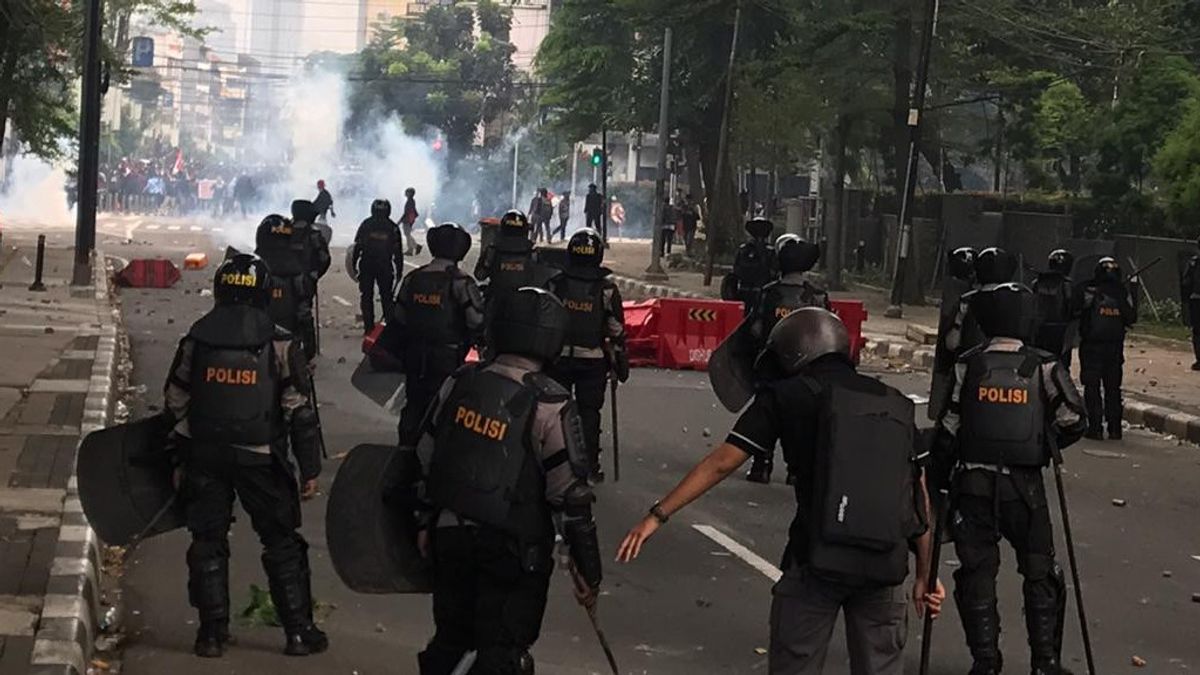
[292, 594]
[760, 470]
[1044, 618]
[208, 590]
[981, 623]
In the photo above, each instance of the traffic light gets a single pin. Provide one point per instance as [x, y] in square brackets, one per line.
[597, 157]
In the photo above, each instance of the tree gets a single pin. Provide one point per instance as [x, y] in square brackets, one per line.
[1177, 167]
[1064, 129]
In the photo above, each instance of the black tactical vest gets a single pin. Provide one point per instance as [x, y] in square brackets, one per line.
[754, 264]
[1052, 298]
[780, 299]
[483, 467]
[234, 394]
[285, 302]
[379, 241]
[1104, 322]
[584, 300]
[512, 265]
[1002, 409]
[429, 308]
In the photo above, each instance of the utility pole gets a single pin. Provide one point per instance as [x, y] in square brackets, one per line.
[89, 147]
[604, 183]
[904, 222]
[516, 165]
[655, 271]
[722, 144]
[574, 169]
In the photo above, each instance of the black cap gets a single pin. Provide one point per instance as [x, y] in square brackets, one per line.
[586, 248]
[795, 254]
[243, 279]
[448, 241]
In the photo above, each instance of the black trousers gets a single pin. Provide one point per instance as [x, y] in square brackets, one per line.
[989, 506]
[593, 221]
[1194, 316]
[425, 368]
[1101, 367]
[586, 379]
[371, 276]
[489, 595]
[561, 230]
[213, 478]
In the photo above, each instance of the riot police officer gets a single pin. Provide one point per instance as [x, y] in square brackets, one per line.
[439, 313]
[314, 237]
[1107, 307]
[287, 255]
[778, 299]
[993, 266]
[238, 390]
[1056, 315]
[754, 265]
[503, 466]
[507, 264]
[1012, 407]
[379, 258]
[595, 341]
[1189, 295]
[959, 280]
[826, 415]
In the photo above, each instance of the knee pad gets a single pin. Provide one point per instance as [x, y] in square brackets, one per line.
[1036, 567]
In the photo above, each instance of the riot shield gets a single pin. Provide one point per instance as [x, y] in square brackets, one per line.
[351, 270]
[731, 368]
[382, 387]
[124, 475]
[369, 524]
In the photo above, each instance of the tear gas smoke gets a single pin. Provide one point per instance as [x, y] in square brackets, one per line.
[34, 191]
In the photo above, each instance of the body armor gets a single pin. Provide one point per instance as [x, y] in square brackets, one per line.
[1003, 409]
[754, 265]
[1103, 319]
[379, 242]
[483, 467]
[430, 310]
[780, 299]
[512, 265]
[234, 394]
[584, 300]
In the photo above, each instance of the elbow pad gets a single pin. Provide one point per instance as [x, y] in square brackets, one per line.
[306, 442]
[579, 533]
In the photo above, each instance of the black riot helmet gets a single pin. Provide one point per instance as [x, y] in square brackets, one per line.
[960, 264]
[448, 241]
[271, 228]
[995, 266]
[303, 210]
[1060, 261]
[1007, 310]
[800, 338]
[1108, 269]
[514, 224]
[529, 322]
[759, 228]
[381, 208]
[795, 254]
[586, 248]
[242, 280]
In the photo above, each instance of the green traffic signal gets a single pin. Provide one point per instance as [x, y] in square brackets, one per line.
[597, 157]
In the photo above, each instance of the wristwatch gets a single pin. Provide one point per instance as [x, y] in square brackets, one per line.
[659, 514]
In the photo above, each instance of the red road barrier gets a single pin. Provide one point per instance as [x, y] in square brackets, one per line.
[690, 329]
[144, 273]
[641, 332]
[853, 313]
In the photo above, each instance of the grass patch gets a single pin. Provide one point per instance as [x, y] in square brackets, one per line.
[1172, 331]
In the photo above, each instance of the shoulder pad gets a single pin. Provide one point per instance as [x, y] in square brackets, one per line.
[548, 390]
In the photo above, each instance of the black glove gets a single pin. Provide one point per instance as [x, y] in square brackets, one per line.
[306, 442]
[621, 365]
[579, 533]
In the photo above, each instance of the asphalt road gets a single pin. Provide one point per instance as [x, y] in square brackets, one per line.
[697, 601]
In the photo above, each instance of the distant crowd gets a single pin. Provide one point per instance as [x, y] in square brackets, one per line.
[171, 186]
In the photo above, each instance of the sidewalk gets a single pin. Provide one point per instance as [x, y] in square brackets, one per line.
[58, 352]
[1158, 377]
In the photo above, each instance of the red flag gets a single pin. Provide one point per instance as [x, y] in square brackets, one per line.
[178, 168]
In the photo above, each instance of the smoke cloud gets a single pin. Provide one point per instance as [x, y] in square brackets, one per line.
[34, 191]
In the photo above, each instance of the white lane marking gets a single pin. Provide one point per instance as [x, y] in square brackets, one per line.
[25, 259]
[153, 227]
[196, 228]
[342, 301]
[749, 557]
[173, 228]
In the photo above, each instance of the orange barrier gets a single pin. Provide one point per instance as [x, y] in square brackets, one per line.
[143, 273]
[678, 332]
[195, 261]
[853, 313]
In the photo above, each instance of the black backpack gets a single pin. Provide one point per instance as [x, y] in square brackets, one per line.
[866, 503]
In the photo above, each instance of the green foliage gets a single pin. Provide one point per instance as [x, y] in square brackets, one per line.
[436, 72]
[1177, 167]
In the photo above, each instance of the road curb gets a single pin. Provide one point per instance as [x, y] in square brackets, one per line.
[66, 633]
[1154, 417]
[637, 287]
